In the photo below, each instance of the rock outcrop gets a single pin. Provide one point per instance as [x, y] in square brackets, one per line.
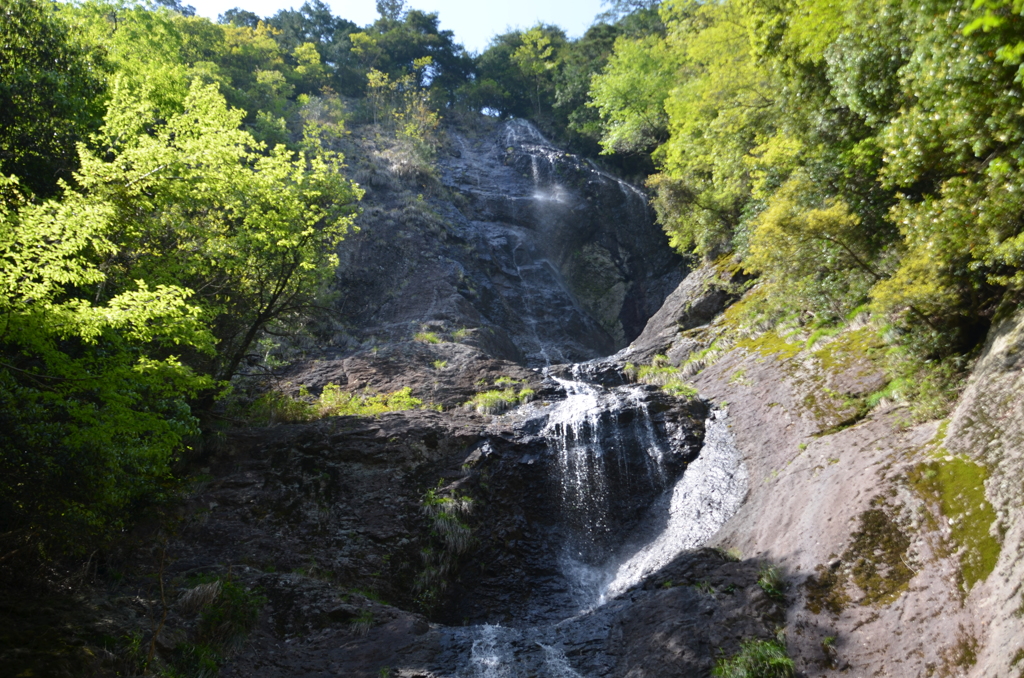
[901, 541]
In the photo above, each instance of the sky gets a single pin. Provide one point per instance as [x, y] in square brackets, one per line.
[474, 22]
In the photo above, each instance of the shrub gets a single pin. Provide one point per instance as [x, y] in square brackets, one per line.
[231, 616]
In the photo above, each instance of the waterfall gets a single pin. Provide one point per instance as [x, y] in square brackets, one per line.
[490, 656]
[623, 501]
[707, 495]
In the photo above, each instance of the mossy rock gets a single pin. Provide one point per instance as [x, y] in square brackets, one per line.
[955, 486]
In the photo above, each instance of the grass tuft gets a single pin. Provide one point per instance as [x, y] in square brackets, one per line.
[276, 407]
[504, 398]
[770, 579]
[427, 337]
[757, 659]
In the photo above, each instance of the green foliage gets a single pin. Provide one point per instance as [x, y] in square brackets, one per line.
[771, 581]
[140, 282]
[427, 337]
[630, 94]
[451, 538]
[849, 152]
[230, 617]
[49, 94]
[535, 57]
[498, 401]
[226, 613]
[193, 660]
[522, 85]
[276, 407]
[757, 659]
[253, 232]
[660, 373]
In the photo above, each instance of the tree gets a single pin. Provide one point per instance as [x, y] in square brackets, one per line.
[535, 58]
[50, 95]
[203, 206]
[140, 290]
[391, 10]
[240, 17]
[630, 94]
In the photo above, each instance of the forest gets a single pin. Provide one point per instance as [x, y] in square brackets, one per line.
[172, 189]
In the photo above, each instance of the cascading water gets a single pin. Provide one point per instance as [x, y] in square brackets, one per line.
[707, 495]
[604, 442]
[612, 465]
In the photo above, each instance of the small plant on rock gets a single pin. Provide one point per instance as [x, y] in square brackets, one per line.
[362, 624]
[770, 579]
[661, 373]
[427, 337]
[757, 659]
[498, 401]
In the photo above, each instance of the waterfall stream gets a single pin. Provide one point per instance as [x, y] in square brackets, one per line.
[606, 448]
[596, 569]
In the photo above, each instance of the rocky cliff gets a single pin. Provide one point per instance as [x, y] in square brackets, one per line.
[611, 522]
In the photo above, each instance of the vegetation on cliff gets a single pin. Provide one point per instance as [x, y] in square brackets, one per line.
[850, 153]
[171, 188]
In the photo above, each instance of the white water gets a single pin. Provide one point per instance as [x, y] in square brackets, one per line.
[709, 493]
[706, 495]
[557, 664]
[490, 656]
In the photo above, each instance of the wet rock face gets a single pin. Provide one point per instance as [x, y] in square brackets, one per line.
[550, 517]
[551, 260]
[674, 624]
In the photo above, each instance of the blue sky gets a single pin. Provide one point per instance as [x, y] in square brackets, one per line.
[474, 22]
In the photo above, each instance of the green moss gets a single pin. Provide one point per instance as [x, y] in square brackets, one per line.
[957, 487]
[739, 378]
[878, 554]
[850, 348]
[826, 590]
[771, 345]
[820, 333]
[965, 652]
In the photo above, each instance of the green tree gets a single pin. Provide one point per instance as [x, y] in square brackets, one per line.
[50, 95]
[535, 58]
[135, 293]
[203, 206]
